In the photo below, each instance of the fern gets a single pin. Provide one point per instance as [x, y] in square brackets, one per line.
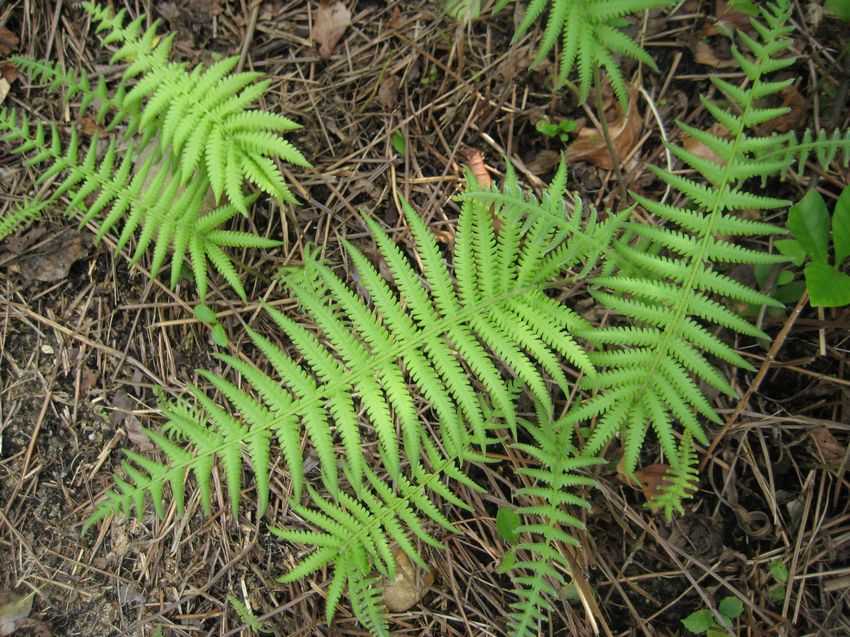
[355, 534]
[140, 191]
[187, 134]
[415, 342]
[91, 93]
[680, 481]
[202, 115]
[824, 148]
[494, 311]
[591, 38]
[668, 288]
[545, 522]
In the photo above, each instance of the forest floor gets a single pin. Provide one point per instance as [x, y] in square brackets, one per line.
[405, 95]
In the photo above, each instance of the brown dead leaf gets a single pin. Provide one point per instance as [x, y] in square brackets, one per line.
[54, 259]
[88, 380]
[8, 41]
[91, 128]
[388, 93]
[543, 162]
[624, 476]
[794, 118]
[624, 131]
[727, 19]
[123, 414]
[14, 610]
[475, 161]
[651, 477]
[20, 242]
[829, 449]
[699, 149]
[395, 18]
[331, 22]
[409, 586]
[8, 71]
[704, 53]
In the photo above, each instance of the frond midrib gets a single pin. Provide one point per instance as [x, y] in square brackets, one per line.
[680, 309]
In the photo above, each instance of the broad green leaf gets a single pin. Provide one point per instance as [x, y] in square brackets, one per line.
[808, 221]
[790, 293]
[399, 143]
[547, 128]
[841, 227]
[507, 522]
[779, 571]
[776, 593]
[792, 249]
[785, 277]
[827, 286]
[747, 7]
[839, 8]
[699, 621]
[731, 607]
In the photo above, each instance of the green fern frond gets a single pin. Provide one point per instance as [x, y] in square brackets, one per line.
[540, 564]
[203, 116]
[91, 93]
[431, 341]
[355, 535]
[185, 133]
[824, 148]
[139, 195]
[680, 481]
[668, 290]
[591, 37]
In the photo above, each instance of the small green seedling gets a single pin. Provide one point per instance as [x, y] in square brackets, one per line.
[776, 593]
[703, 622]
[246, 615]
[398, 142]
[810, 224]
[560, 129]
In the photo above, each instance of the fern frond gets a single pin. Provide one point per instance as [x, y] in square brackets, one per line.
[356, 534]
[680, 481]
[792, 151]
[591, 36]
[201, 115]
[430, 341]
[672, 295]
[546, 526]
[140, 195]
[78, 85]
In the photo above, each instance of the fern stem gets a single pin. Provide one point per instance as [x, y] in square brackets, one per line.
[606, 134]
